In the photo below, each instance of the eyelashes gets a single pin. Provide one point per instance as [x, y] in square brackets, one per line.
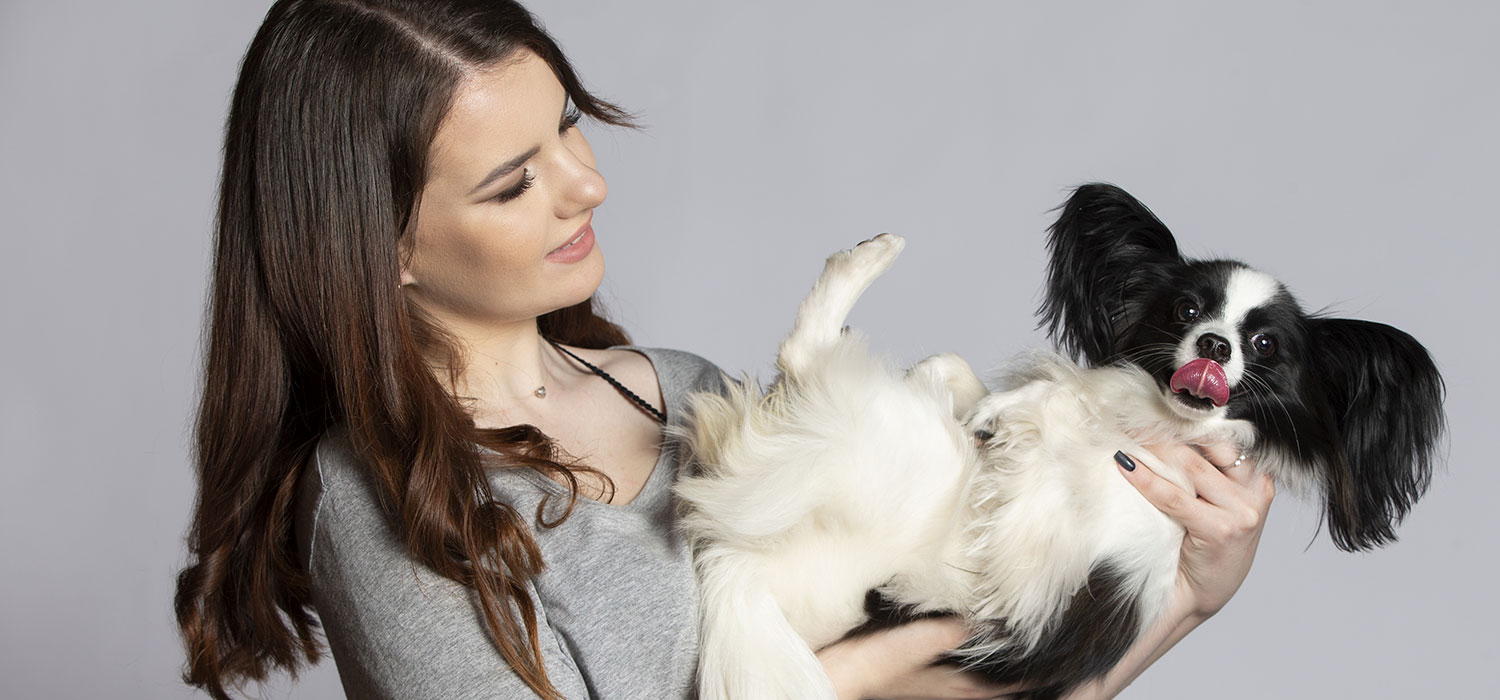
[570, 118]
[527, 178]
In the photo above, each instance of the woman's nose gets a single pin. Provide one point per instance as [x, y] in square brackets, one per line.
[583, 186]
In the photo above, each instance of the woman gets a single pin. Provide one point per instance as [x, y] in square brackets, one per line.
[415, 423]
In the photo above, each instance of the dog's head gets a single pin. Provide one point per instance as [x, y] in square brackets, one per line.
[1354, 406]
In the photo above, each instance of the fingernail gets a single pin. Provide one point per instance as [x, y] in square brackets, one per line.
[1125, 461]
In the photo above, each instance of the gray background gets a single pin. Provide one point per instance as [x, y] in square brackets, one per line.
[1347, 147]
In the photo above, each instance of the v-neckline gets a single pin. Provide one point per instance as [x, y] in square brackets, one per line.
[650, 488]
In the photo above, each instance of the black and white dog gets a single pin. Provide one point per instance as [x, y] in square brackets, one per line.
[933, 494]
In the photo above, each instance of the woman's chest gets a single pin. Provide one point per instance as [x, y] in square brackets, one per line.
[610, 436]
[619, 592]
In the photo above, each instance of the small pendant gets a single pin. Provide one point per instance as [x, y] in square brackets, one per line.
[541, 392]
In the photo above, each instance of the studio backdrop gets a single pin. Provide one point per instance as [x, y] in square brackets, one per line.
[1349, 148]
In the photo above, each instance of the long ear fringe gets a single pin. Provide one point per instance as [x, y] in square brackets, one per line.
[1105, 248]
[1387, 399]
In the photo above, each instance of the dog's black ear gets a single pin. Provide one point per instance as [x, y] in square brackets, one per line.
[1106, 251]
[1385, 401]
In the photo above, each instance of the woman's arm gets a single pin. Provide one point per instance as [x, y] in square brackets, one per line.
[897, 664]
[1223, 517]
[396, 629]
[1224, 520]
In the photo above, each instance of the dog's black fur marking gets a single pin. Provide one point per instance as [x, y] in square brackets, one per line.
[1105, 247]
[1360, 403]
[1357, 404]
[1094, 633]
[1382, 399]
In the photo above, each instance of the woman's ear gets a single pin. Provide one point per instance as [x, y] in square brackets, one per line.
[404, 259]
[1107, 253]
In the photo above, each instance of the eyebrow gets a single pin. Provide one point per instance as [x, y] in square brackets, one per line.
[504, 169]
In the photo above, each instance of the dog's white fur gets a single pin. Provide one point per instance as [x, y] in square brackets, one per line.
[847, 476]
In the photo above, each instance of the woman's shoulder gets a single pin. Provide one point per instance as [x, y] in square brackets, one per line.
[335, 467]
[337, 496]
[678, 371]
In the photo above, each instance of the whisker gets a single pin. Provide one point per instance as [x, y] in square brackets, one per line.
[1255, 381]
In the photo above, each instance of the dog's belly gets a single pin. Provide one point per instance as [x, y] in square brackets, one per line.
[854, 482]
[1048, 505]
[887, 513]
[1071, 561]
[819, 582]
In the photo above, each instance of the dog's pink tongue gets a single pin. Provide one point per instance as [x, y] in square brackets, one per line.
[1204, 379]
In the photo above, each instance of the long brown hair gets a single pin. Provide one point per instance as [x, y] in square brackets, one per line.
[325, 154]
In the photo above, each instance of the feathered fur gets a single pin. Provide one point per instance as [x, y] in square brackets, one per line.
[849, 487]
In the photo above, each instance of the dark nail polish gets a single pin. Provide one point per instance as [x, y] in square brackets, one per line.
[1125, 461]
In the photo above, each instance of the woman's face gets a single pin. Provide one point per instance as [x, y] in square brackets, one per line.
[503, 230]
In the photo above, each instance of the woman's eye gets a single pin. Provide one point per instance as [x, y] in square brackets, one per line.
[570, 119]
[1187, 312]
[1265, 345]
[515, 191]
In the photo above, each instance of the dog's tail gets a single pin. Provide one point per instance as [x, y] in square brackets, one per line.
[820, 320]
[747, 649]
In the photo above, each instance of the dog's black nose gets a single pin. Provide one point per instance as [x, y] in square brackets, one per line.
[1214, 347]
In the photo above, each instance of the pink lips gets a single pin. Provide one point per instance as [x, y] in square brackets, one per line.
[1204, 379]
[576, 249]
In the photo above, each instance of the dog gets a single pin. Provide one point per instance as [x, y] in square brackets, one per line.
[849, 489]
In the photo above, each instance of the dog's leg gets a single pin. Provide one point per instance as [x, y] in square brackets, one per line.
[820, 320]
[953, 372]
[748, 650]
[989, 412]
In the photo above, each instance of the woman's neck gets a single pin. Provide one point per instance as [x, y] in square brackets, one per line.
[503, 365]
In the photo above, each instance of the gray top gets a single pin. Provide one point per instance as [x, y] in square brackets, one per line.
[617, 603]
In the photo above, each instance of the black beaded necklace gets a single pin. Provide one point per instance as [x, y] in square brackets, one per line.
[638, 401]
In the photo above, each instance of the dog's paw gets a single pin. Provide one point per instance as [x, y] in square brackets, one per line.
[951, 371]
[870, 258]
[1007, 413]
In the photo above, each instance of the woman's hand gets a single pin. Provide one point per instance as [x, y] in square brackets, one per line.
[897, 664]
[1223, 519]
[1223, 516]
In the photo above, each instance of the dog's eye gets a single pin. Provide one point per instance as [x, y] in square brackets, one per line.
[1264, 345]
[1187, 312]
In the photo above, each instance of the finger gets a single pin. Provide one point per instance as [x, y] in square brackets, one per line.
[1168, 497]
[1234, 461]
[1223, 488]
[949, 681]
[977, 685]
[1262, 489]
[1208, 482]
[1223, 454]
[923, 641]
[1258, 487]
